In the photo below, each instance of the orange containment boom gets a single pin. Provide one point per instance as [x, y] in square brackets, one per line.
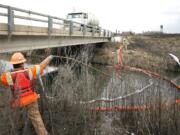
[123, 108]
[139, 107]
[149, 73]
[133, 108]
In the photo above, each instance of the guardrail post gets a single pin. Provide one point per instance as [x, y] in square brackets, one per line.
[93, 31]
[50, 25]
[84, 30]
[10, 20]
[70, 28]
[110, 34]
[99, 31]
[104, 33]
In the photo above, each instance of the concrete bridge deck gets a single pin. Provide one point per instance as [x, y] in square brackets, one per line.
[27, 30]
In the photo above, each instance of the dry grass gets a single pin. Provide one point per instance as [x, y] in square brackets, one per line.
[65, 115]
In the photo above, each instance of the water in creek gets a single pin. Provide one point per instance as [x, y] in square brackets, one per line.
[76, 98]
[85, 99]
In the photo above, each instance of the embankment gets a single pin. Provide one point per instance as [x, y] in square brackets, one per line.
[147, 52]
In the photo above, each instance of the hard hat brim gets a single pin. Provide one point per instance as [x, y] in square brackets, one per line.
[19, 62]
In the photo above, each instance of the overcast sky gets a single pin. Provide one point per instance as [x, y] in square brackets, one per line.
[124, 15]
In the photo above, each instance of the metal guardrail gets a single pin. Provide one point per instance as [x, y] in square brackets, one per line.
[69, 26]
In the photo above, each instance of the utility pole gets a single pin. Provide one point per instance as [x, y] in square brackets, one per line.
[161, 28]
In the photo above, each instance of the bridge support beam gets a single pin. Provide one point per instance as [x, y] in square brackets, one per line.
[22, 43]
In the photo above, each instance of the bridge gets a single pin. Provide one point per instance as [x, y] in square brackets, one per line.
[27, 30]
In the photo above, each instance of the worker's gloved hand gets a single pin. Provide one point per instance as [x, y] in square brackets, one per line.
[46, 61]
[50, 57]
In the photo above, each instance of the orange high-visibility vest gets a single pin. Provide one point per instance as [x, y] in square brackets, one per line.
[20, 82]
[119, 56]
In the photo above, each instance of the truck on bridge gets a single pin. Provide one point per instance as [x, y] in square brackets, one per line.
[82, 18]
[79, 17]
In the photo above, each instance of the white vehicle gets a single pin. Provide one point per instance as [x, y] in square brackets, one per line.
[78, 17]
[82, 19]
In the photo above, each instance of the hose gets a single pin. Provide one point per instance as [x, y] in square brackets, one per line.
[80, 62]
[46, 98]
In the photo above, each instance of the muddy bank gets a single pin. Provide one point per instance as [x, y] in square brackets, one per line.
[106, 54]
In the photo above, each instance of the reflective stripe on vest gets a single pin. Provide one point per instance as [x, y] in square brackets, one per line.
[37, 70]
[30, 74]
[9, 78]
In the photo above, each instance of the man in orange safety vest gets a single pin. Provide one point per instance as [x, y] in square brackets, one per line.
[119, 57]
[23, 95]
